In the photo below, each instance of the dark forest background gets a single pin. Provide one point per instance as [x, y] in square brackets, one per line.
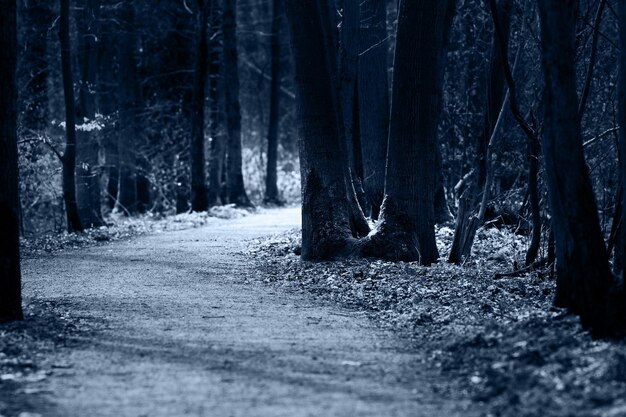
[161, 38]
[462, 113]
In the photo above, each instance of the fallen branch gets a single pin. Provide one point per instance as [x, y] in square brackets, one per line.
[519, 272]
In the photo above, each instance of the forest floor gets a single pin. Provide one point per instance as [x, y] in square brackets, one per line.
[493, 340]
[222, 319]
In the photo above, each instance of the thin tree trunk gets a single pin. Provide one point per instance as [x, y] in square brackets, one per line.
[10, 279]
[144, 194]
[216, 165]
[88, 147]
[234, 164]
[127, 99]
[584, 279]
[614, 244]
[272, 195]
[531, 136]
[199, 201]
[406, 230]
[69, 156]
[533, 196]
[582, 105]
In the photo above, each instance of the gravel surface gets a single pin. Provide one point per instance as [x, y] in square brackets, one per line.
[178, 324]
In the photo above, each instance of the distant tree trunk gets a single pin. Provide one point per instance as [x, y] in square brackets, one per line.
[87, 172]
[199, 200]
[69, 157]
[127, 100]
[406, 229]
[373, 89]
[36, 21]
[10, 281]
[144, 195]
[143, 165]
[584, 279]
[326, 216]
[272, 195]
[107, 103]
[216, 165]
[235, 186]
[534, 150]
[468, 220]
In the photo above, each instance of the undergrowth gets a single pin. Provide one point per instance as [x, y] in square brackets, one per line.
[121, 227]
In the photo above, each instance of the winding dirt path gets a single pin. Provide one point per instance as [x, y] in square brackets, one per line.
[186, 331]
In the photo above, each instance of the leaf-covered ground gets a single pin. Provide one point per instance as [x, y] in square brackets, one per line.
[495, 341]
[25, 347]
[121, 227]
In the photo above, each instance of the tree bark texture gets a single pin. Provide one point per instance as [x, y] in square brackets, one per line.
[584, 280]
[10, 279]
[326, 228]
[406, 230]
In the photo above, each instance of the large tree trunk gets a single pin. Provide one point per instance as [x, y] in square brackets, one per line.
[584, 280]
[36, 21]
[199, 200]
[216, 162]
[326, 216]
[406, 230]
[87, 172]
[69, 157]
[373, 100]
[127, 100]
[468, 219]
[234, 164]
[10, 282]
[272, 195]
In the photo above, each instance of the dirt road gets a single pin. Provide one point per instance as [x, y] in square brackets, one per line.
[185, 329]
